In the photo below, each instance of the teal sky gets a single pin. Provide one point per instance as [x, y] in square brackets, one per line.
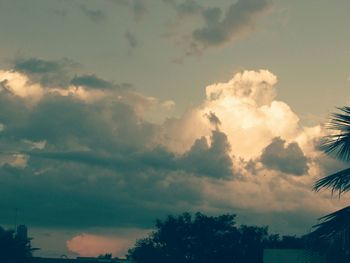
[117, 112]
[304, 43]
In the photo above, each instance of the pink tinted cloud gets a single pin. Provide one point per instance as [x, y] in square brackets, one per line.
[88, 245]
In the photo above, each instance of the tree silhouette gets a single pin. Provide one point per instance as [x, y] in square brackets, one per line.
[332, 235]
[204, 239]
[105, 256]
[14, 246]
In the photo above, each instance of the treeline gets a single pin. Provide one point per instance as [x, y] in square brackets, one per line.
[15, 245]
[185, 238]
[207, 239]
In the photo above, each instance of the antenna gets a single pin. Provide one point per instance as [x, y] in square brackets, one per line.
[16, 218]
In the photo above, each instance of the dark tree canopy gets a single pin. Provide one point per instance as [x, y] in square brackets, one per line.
[14, 246]
[206, 239]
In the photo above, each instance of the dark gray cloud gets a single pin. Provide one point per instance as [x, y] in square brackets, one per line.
[157, 159]
[37, 66]
[66, 194]
[131, 39]
[96, 16]
[285, 158]
[60, 186]
[329, 165]
[91, 81]
[240, 18]
[62, 73]
[201, 160]
[212, 160]
[137, 7]
[213, 119]
[66, 123]
[46, 72]
[100, 164]
[185, 8]
[212, 15]
[221, 25]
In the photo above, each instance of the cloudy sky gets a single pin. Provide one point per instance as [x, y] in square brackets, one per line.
[116, 112]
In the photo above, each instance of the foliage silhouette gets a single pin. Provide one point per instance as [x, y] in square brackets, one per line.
[337, 144]
[206, 239]
[14, 246]
[332, 235]
[105, 256]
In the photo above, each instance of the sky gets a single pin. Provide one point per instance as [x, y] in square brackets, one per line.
[116, 112]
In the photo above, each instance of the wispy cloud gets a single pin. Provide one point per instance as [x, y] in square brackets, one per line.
[131, 39]
[96, 16]
[221, 26]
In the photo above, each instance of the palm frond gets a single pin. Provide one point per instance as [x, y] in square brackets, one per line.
[333, 225]
[339, 181]
[338, 143]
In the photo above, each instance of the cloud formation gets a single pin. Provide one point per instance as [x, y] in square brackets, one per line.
[220, 25]
[87, 150]
[35, 65]
[239, 19]
[96, 16]
[137, 7]
[63, 136]
[131, 39]
[212, 160]
[185, 8]
[48, 73]
[87, 245]
[248, 112]
[91, 81]
[285, 158]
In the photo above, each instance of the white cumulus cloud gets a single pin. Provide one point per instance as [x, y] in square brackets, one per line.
[249, 113]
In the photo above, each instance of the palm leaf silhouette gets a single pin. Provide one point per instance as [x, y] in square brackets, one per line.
[339, 181]
[334, 229]
[339, 142]
[334, 224]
